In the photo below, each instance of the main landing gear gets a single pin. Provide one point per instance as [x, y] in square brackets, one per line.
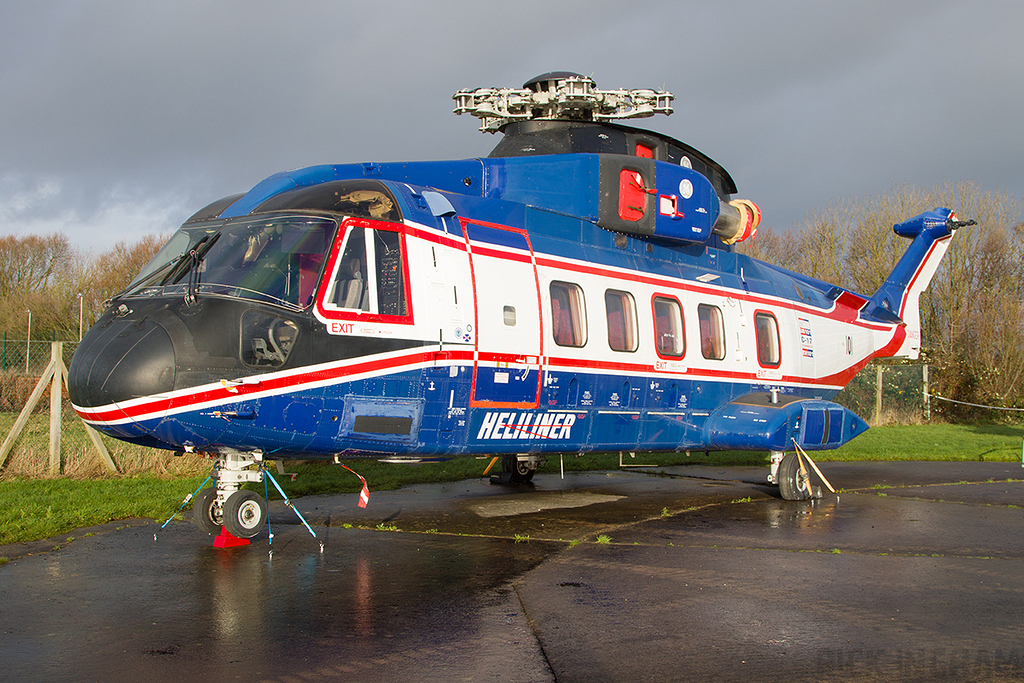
[797, 476]
[517, 469]
[243, 514]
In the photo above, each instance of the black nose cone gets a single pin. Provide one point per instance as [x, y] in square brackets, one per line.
[119, 360]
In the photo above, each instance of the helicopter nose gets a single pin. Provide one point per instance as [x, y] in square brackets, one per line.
[121, 360]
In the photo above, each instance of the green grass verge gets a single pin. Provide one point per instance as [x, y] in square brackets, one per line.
[955, 442]
[32, 509]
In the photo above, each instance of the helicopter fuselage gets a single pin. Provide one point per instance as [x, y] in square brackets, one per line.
[480, 325]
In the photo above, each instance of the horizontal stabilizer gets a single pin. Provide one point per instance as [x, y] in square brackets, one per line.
[754, 423]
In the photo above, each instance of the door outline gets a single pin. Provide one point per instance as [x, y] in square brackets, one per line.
[534, 356]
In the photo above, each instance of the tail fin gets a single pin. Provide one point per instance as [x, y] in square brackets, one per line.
[900, 294]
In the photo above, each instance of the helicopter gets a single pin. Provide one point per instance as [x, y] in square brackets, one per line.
[577, 290]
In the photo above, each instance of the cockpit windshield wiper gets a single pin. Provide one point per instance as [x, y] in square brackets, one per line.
[195, 255]
[168, 272]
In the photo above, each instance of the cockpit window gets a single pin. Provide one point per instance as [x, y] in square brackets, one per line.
[267, 340]
[370, 275]
[362, 198]
[275, 259]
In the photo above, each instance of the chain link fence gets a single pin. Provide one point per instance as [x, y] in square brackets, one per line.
[898, 399]
[22, 365]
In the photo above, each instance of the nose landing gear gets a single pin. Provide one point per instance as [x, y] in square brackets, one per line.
[242, 514]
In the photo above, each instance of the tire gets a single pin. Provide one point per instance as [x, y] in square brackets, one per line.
[519, 470]
[791, 486]
[245, 514]
[205, 512]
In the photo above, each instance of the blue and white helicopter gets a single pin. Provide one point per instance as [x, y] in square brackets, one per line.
[575, 291]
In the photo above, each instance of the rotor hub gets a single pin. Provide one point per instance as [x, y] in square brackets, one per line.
[559, 96]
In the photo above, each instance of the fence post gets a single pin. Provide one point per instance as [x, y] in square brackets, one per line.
[56, 358]
[28, 342]
[878, 394]
[56, 375]
[926, 390]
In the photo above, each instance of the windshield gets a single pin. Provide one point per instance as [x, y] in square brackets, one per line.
[274, 259]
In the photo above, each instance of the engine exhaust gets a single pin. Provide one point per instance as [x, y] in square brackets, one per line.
[737, 221]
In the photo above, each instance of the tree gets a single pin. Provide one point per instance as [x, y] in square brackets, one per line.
[32, 268]
[972, 315]
[32, 263]
[46, 275]
[111, 271]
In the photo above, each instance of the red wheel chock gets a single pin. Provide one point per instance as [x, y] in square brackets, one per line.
[226, 540]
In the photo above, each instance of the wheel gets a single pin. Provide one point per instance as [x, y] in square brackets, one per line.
[794, 484]
[519, 470]
[245, 514]
[205, 511]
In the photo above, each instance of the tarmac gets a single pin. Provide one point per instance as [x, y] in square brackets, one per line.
[914, 571]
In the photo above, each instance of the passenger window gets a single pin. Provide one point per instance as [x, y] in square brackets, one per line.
[712, 332]
[568, 314]
[356, 285]
[668, 327]
[767, 329]
[621, 320]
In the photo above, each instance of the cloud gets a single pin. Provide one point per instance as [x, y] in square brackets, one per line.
[41, 207]
[132, 114]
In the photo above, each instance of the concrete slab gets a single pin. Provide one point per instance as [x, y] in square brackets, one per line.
[706, 575]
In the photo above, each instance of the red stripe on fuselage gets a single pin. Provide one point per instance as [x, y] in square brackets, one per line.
[843, 311]
[271, 385]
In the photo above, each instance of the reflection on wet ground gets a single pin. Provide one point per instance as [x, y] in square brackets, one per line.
[700, 574]
[175, 607]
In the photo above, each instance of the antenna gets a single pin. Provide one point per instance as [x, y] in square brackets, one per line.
[559, 96]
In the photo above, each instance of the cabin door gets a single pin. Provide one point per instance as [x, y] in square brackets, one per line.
[507, 353]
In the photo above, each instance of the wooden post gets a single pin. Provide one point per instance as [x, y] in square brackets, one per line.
[93, 435]
[878, 394]
[56, 374]
[23, 417]
[28, 342]
[926, 390]
[56, 351]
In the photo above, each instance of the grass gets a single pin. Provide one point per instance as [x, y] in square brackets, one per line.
[980, 442]
[34, 508]
[31, 509]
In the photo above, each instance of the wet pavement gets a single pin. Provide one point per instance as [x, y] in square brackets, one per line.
[702, 573]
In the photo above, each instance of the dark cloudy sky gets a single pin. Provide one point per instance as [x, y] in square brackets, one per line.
[119, 119]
